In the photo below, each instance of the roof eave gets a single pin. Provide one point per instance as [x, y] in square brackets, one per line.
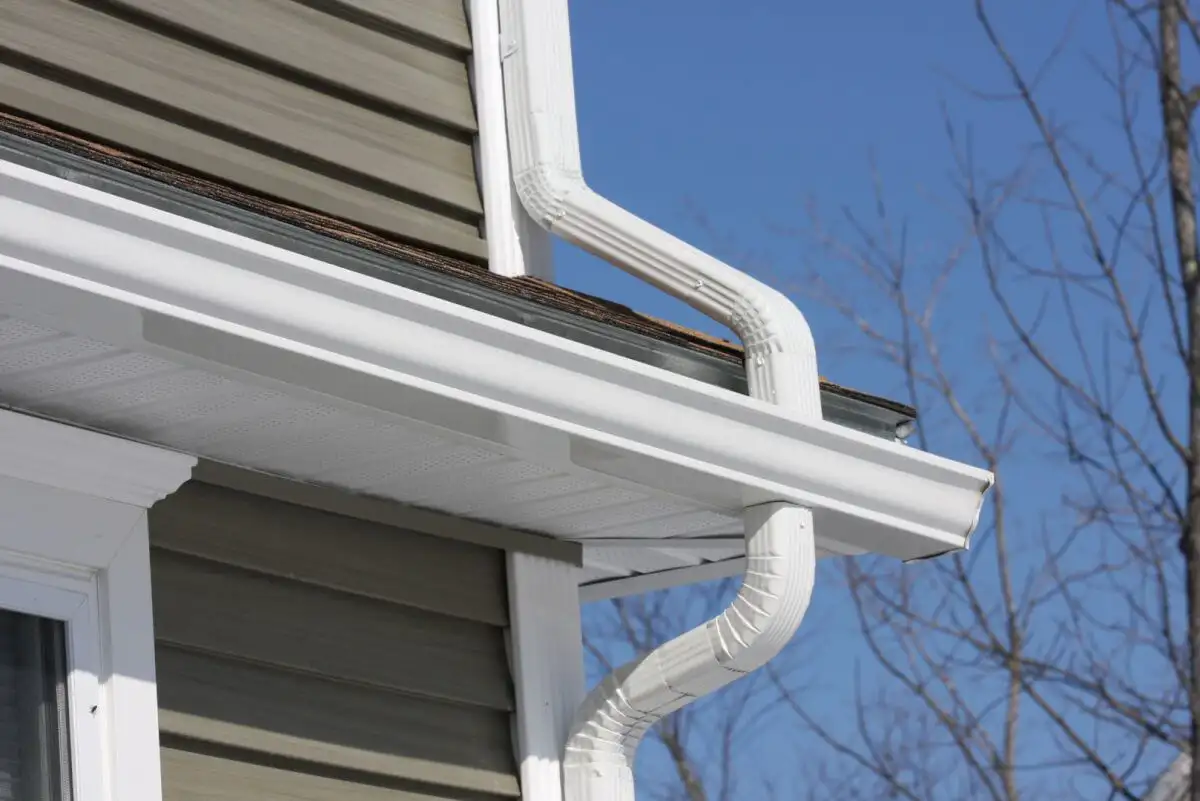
[145, 279]
[523, 301]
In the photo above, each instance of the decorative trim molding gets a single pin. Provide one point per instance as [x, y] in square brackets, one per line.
[73, 519]
[547, 655]
[37, 450]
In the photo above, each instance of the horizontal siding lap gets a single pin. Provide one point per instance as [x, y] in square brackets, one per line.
[307, 102]
[374, 560]
[444, 21]
[207, 606]
[329, 49]
[203, 153]
[295, 660]
[190, 774]
[252, 102]
[224, 702]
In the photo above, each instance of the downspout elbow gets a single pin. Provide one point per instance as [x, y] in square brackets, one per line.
[781, 555]
[545, 190]
[781, 369]
[780, 354]
[769, 607]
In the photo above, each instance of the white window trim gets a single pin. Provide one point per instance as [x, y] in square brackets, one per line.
[56, 592]
[74, 546]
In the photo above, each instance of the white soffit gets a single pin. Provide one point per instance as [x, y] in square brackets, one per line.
[166, 330]
[150, 399]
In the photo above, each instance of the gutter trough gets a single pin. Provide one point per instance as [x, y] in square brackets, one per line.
[781, 370]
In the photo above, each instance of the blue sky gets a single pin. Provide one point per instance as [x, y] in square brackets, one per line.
[745, 112]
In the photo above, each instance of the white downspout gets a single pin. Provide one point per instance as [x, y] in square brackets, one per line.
[781, 367]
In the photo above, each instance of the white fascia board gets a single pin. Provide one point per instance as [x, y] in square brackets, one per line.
[137, 277]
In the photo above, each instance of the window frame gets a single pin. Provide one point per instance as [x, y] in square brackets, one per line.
[56, 592]
[74, 546]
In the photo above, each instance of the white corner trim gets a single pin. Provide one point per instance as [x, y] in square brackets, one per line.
[83, 461]
[547, 655]
[74, 546]
[495, 176]
[516, 245]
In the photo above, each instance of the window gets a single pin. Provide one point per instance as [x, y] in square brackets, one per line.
[35, 757]
[78, 696]
[49, 688]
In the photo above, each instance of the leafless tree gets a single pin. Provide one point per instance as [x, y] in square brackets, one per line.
[1058, 657]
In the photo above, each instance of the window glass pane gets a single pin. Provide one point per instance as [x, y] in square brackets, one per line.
[35, 760]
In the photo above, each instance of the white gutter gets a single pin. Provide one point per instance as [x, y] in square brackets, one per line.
[82, 260]
[781, 367]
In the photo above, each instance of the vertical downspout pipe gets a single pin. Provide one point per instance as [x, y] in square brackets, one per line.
[781, 367]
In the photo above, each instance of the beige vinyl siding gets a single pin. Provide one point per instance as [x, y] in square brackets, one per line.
[360, 109]
[305, 655]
